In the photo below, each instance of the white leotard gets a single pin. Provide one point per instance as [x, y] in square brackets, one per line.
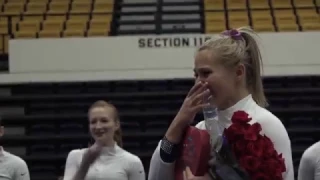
[309, 168]
[114, 163]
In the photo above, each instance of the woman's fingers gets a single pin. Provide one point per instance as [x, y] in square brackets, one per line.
[188, 172]
[187, 175]
[195, 88]
[204, 95]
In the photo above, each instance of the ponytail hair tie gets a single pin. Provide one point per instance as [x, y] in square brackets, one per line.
[233, 33]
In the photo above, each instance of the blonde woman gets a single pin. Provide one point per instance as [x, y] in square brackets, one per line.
[228, 69]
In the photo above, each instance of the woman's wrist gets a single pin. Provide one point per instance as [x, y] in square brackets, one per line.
[168, 151]
[176, 130]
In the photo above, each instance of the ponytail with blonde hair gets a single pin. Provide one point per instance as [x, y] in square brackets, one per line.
[118, 133]
[255, 66]
[240, 46]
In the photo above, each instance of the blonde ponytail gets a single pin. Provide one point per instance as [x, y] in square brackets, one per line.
[254, 66]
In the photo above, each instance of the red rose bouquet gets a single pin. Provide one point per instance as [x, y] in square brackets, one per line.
[246, 154]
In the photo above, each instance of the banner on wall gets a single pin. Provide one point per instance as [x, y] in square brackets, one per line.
[145, 57]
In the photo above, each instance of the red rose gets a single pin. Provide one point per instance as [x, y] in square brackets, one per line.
[260, 176]
[255, 152]
[275, 167]
[252, 132]
[240, 147]
[282, 163]
[278, 177]
[268, 146]
[255, 148]
[255, 127]
[235, 132]
[240, 117]
[249, 163]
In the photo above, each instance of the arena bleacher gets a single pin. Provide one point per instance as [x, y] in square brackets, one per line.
[44, 121]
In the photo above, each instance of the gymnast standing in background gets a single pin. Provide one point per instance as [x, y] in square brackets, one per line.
[105, 159]
[12, 167]
[309, 168]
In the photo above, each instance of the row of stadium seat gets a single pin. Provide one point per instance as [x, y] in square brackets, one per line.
[53, 19]
[56, 6]
[264, 20]
[256, 4]
[52, 26]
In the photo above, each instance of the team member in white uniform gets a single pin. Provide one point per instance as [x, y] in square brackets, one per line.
[105, 159]
[309, 168]
[12, 167]
[227, 70]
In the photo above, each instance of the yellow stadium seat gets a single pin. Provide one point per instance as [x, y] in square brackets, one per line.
[303, 3]
[309, 19]
[29, 25]
[14, 21]
[6, 43]
[75, 27]
[3, 18]
[213, 4]
[81, 7]
[261, 16]
[39, 1]
[236, 4]
[3, 27]
[36, 8]
[103, 7]
[99, 24]
[82, 1]
[33, 17]
[25, 34]
[58, 7]
[13, 8]
[49, 34]
[238, 19]
[1, 45]
[79, 17]
[308, 15]
[16, 1]
[61, 1]
[102, 17]
[212, 29]
[56, 18]
[262, 20]
[311, 27]
[259, 4]
[215, 22]
[98, 32]
[281, 3]
[215, 17]
[104, 1]
[287, 27]
[73, 33]
[53, 24]
[285, 20]
[263, 27]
